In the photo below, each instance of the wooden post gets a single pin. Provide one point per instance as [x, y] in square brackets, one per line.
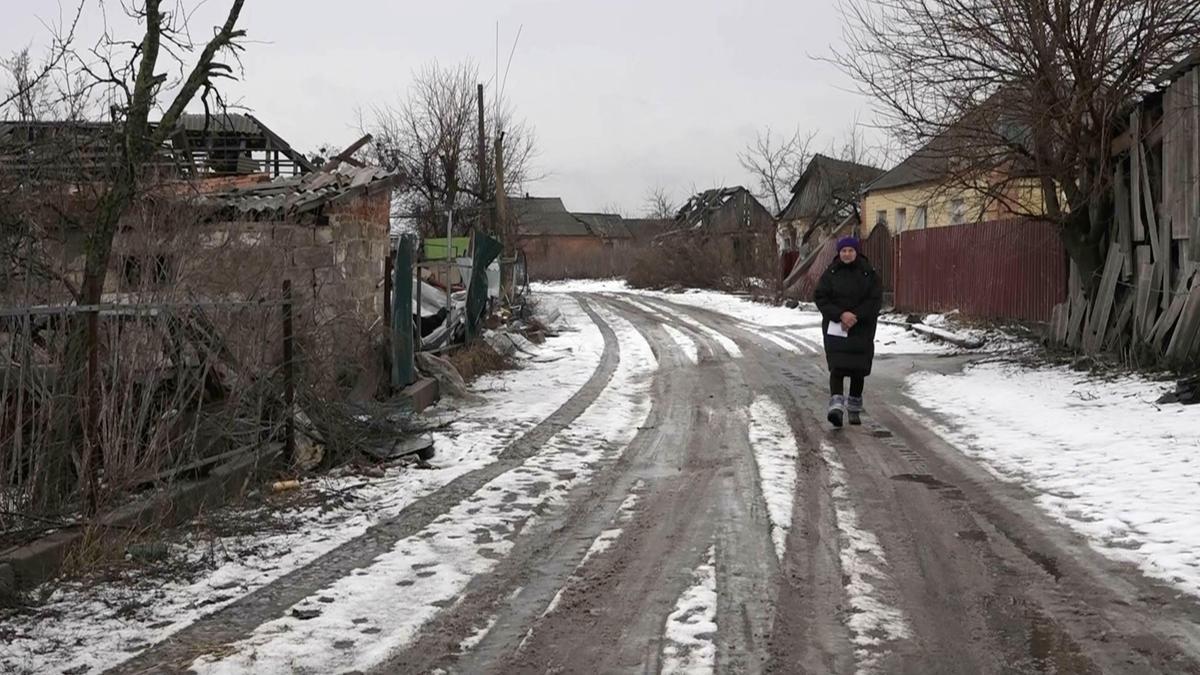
[387, 290]
[403, 368]
[289, 374]
[485, 220]
[93, 457]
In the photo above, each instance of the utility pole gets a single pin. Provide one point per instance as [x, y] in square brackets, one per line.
[486, 221]
[503, 224]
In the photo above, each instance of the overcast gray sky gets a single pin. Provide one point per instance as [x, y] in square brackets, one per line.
[624, 95]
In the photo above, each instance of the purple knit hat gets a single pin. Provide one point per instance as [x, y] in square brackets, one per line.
[851, 242]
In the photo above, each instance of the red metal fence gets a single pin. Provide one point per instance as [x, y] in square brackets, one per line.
[1009, 269]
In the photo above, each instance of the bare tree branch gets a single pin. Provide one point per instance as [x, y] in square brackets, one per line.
[1003, 95]
[659, 204]
[776, 165]
[431, 137]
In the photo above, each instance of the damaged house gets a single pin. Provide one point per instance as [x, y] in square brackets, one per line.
[234, 212]
[825, 197]
[733, 224]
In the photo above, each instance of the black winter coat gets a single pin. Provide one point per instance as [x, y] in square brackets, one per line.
[850, 288]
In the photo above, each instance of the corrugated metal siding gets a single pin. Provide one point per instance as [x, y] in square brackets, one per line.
[1010, 269]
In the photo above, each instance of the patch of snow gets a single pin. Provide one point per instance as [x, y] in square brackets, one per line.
[477, 637]
[775, 454]
[1100, 456]
[741, 308]
[784, 343]
[406, 587]
[889, 339]
[873, 622]
[690, 633]
[95, 614]
[687, 346]
[579, 286]
[610, 536]
[720, 338]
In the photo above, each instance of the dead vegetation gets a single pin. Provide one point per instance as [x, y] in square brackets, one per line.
[478, 359]
[688, 264]
[693, 263]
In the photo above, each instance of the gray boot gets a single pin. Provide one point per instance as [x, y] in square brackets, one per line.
[854, 409]
[836, 404]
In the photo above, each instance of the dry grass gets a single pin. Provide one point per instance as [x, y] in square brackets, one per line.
[478, 359]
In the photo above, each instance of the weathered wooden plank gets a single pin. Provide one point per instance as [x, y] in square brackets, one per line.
[1170, 125]
[1194, 232]
[1187, 151]
[1154, 311]
[1135, 176]
[1057, 334]
[1104, 300]
[1141, 322]
[1118, 331]
[1168, 248]
[1079, 309]
[1186, 328]
[1124, 228]
[1167, 321]
[1148, 206]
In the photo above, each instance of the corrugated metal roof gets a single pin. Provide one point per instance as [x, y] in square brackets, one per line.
[300, 194]
[607, 225]
[645, 229]
[545, 216]
[220, 122]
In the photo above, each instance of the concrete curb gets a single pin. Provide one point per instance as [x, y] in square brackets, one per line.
[23, 567]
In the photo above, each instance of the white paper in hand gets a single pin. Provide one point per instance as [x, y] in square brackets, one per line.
[836, 330]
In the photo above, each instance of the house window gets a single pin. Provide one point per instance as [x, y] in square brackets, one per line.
[919, 221]
[881, 217]
[958, 212]
[154, 271]
[901, 219]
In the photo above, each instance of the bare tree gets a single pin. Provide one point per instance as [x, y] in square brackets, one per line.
[431, 137]
[776, 164]
[659, 205]
[134, 76]
[30, 82]
[1018, 93]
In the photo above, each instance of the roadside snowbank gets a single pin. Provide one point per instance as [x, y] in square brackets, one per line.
[1099, 456]
[362, 619]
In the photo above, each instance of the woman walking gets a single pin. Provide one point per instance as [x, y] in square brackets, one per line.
[849, 297]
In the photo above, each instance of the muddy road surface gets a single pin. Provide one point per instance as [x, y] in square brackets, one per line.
[712, 522]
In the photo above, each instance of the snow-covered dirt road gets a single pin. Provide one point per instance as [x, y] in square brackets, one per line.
[682, 507]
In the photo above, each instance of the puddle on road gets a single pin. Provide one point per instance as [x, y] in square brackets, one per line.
[1052, 650]
[922, 478]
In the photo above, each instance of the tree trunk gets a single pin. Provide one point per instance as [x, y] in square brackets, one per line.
[1087, 254]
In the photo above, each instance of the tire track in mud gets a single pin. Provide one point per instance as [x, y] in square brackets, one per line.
[239, 619]
[547, 556]
[981, 598]
[611, 616]
[745, 554]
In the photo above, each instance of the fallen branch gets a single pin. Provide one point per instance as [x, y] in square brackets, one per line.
[938, 334]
